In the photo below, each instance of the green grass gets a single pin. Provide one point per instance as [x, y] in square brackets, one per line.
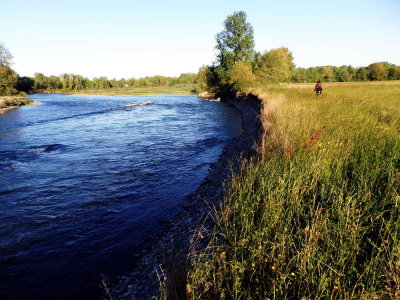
[11, 101]
[140, 91]
[317, 215]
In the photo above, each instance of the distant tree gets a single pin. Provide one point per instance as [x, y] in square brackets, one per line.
[8, 81]
[299, 75]
[378, 71]
[40, 81]
[185, 78]
[276, 65]
[236, 42]
[342, 74]
[361, 74]
[25, 84]
[5, 56]
[54, 82]
[132, 82]
[394, 72]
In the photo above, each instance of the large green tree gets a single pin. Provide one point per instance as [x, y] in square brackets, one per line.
[236, 42]
[276, 65]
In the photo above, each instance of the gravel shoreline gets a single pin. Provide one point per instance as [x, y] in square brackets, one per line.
[187, 231]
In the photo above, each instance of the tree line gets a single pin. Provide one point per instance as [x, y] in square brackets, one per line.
[73, 82]
[237, 67]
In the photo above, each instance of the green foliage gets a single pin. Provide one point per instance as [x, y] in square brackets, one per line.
[25, 84]
[377, 71]
[275, 65]
[14, 101]
[5, 56]
[236, 42]
[8, 81]
[203, 79]
[241, 76]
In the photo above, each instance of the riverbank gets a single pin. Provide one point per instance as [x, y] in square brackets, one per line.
[11, 102]
[188, 231]
[316, 216]
[131, 91]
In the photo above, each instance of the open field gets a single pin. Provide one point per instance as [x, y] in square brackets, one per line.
[140, 91]
[344, 84]
[317, 215]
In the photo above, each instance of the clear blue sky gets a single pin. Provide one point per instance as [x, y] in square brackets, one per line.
[124, 38]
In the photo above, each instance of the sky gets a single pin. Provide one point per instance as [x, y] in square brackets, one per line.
[124, 39]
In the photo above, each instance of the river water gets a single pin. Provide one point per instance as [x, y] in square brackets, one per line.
[84, 186]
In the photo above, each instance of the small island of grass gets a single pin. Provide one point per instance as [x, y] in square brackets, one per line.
[8, 102]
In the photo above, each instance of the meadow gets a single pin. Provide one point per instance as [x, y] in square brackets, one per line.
[317, 214]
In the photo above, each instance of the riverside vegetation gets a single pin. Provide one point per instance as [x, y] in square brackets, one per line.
[14, 101]
[317, 214]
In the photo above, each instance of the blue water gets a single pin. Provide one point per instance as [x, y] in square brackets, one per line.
[83, 188]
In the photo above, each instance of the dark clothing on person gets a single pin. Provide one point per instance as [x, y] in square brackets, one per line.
[318, 88]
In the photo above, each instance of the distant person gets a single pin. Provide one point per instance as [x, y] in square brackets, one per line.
[318, 88]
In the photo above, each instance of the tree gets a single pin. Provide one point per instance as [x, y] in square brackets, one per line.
[362, 74]
[342, 74]
[276, 65]
[5, 56]
[241, 76]
[394, 72]
[25, 84]
[236, 42]
[377, 71]
[8, 81]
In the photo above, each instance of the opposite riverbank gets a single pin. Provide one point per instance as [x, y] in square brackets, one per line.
[188, 231]
[11, 102]
[130, 91]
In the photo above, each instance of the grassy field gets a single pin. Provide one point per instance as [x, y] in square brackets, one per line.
[140, 91]
[317, 215]
[13, 101]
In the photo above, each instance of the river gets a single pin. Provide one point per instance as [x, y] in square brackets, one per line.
[84, 186]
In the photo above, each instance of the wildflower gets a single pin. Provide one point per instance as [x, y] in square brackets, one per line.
[282, 277]
[292, 274]
[253, 265]
[336, 287]
[273, 267]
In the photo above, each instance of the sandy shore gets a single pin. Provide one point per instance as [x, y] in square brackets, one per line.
[188, 230]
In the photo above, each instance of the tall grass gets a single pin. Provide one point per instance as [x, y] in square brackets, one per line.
[317, 216]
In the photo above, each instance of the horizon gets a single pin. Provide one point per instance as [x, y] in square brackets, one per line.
[133, 40]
